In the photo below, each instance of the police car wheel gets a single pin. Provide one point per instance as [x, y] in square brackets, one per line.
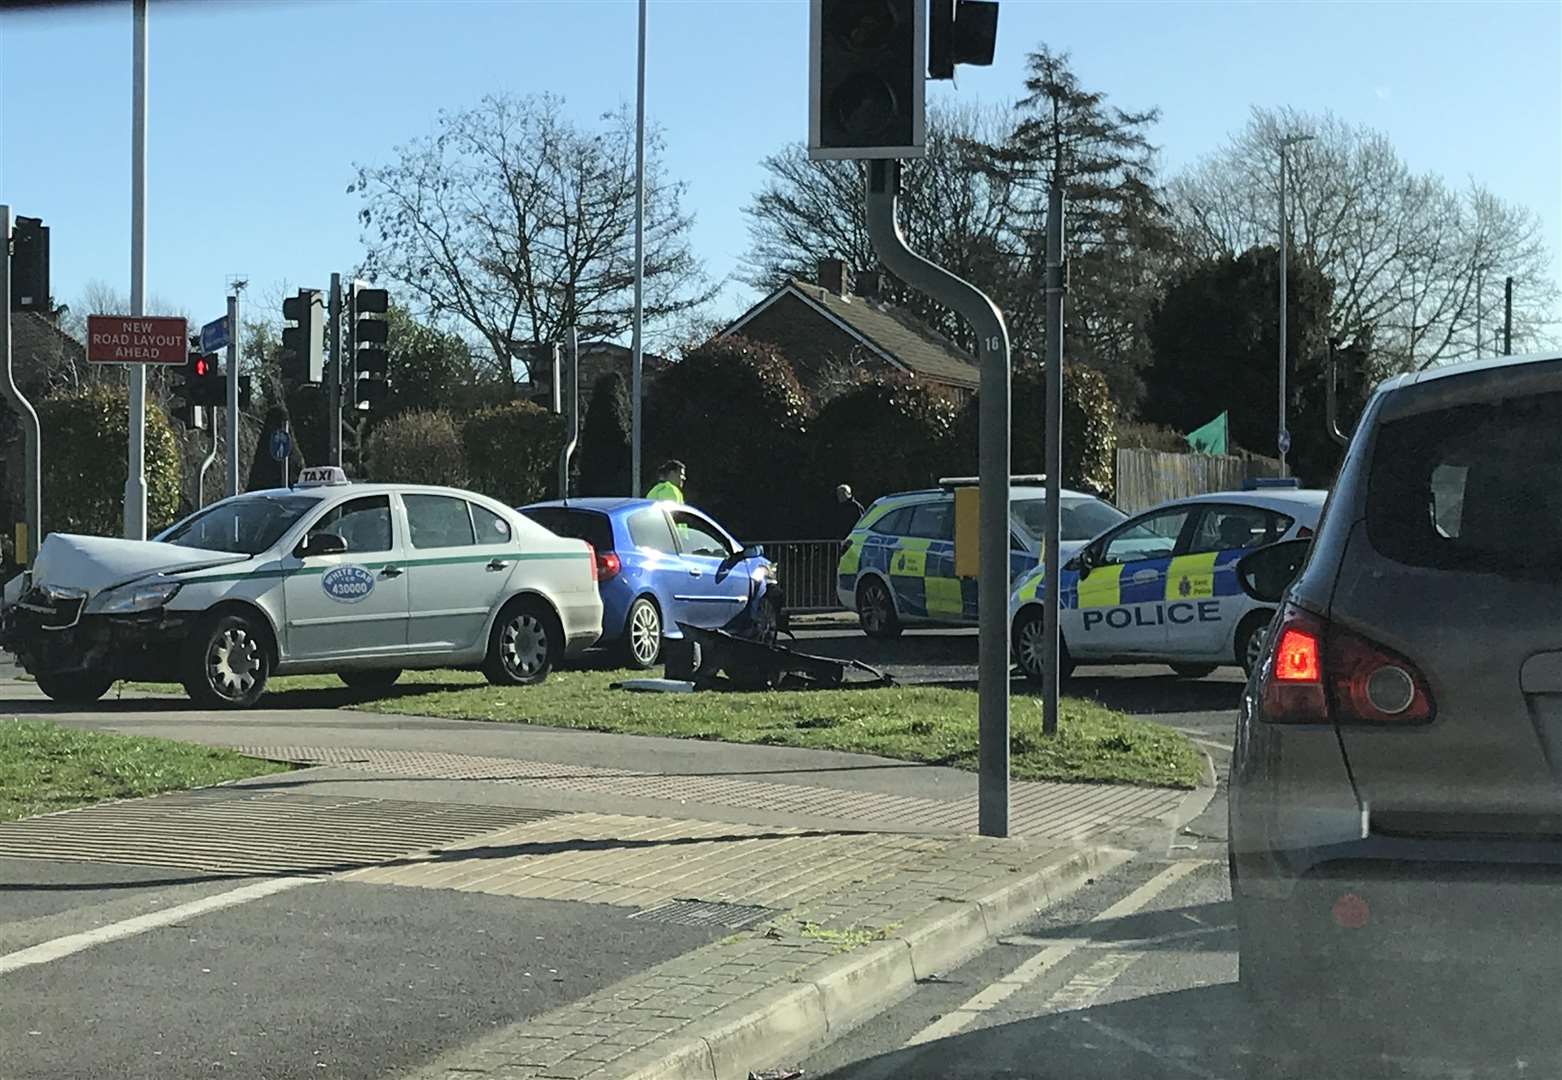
[74, 689]
[370, 678]
[226, 663]
[876, 611]
[1250, 640]
[522, 646]
[1194, 671]
[1030, 631]
[643, 634]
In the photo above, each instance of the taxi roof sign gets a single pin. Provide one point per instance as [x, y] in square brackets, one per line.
[321, 476]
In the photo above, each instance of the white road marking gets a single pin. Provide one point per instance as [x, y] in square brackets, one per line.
[1145, 1048]
[74, 943]
[962, 1017]
[1080, 991]
[1124, 943]
[1197, 735]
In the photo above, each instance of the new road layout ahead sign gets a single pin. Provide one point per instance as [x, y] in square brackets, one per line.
[136, 339]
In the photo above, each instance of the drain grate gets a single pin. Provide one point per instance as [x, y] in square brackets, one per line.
[704, 913]
[228, 830]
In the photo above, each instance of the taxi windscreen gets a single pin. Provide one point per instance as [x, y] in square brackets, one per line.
[1081, 517]
[244, 526]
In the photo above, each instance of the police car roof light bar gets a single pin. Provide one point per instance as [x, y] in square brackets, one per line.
[970, 481]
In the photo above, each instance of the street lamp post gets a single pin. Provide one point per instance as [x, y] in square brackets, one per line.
[1282, 437]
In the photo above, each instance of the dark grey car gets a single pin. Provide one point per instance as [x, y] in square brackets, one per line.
[1396, 791]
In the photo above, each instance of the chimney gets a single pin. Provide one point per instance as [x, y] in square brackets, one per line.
[833, 276]
[867, 284]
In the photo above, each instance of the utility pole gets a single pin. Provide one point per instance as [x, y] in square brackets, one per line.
[573, 428]
[1507, 317]
[1283, 436]
[135, 472]
[32, 483]
[1480, 284]
[233, 391]
[636, 358]
[333, 376]
[992, 353]
[1056, 287]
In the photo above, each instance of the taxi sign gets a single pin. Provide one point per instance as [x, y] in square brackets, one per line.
[321, 476]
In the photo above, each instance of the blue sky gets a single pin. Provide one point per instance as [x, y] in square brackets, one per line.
[260, 109]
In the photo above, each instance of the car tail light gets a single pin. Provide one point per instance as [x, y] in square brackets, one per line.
[608, 565]
[591, 557]
[1315, 671]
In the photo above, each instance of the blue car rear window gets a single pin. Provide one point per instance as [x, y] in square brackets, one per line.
[592, 526]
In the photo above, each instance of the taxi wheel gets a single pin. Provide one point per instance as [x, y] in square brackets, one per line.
[74, 689]
[226, 662]
[1030, 630]
[523, 645]
[1250, 640]
[642, 634]
[876, 611]
[1193, 671]
[370, 678]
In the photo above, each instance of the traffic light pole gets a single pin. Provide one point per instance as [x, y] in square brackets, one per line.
[206, 464]
[574, 415]
[992, 340]
[333, 377]
[233, 394]
[135, 471]
[1053, 432]
[32, 486]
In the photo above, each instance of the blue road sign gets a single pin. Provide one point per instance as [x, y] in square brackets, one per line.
[214, 335]
[281, 445]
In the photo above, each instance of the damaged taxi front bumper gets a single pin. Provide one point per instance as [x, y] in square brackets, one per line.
[50, 634]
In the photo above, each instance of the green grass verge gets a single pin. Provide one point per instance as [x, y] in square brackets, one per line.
[914, 723]
[45, 767]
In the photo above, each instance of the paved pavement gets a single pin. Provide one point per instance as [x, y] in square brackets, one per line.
[445, 899]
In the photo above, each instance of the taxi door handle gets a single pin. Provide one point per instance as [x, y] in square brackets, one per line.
[1145, 575]
[391, 571]
[497, 564]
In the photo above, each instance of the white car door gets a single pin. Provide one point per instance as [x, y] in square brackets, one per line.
[460, 556]
[1204, 600]
[352, 604]
[1121, 596]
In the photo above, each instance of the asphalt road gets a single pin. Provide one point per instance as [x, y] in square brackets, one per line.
[1135, 976]
[326, 979]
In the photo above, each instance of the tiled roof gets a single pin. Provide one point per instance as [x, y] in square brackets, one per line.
[908, 339]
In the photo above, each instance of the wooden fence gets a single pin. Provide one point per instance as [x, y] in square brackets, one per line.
[1148, 477]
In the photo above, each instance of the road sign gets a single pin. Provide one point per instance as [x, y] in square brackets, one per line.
[136, 339]
[1284, 442]
[281, 445]
[214, 335]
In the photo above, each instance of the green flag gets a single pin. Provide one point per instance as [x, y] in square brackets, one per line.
[1211, 438]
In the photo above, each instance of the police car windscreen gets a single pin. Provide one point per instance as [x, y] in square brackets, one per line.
[247, 526]
[1081, 518]
[1473, 487]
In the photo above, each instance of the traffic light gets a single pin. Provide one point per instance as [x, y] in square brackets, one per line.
[960, 32]
[200, 385]
[29, 265]
[246, 392]
[302, 358]
[369, 331]
[865, 79]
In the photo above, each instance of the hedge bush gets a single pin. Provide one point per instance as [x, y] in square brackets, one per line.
[734, 413]
[604, 438]
[85, 433]
[512, 452]
[888, 433]
[418, 447]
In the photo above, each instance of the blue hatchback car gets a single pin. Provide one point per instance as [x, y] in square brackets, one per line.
[660, 564]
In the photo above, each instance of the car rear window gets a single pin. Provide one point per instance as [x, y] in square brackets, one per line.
[589, 525]
[1471, 487]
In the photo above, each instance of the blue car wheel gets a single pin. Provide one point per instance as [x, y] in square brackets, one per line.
[642, 634]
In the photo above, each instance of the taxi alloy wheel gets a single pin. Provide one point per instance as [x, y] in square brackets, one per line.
[522, 648]
[643, 634]
[227, 663]
[876, 610]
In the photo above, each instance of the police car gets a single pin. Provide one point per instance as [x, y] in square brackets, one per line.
[1162, 587]
[898, 564]
[362, 580]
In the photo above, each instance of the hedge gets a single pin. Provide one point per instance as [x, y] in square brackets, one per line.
[512, 452]
[418, 447]
[84, 462]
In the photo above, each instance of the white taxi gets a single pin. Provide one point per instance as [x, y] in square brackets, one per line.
[1162, 586]
[363, 580]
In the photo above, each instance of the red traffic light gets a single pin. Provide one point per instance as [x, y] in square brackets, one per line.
[202, 366]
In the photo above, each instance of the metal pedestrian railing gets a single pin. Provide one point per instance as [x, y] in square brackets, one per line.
[806, 569]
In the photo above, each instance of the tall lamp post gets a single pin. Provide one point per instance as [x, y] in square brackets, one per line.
[1282, 436]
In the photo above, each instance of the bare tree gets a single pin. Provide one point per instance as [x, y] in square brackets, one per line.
[1414, 262]
[517, 224]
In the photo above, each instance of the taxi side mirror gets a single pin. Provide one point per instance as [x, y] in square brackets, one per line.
[321, 543]
[1267, 573]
